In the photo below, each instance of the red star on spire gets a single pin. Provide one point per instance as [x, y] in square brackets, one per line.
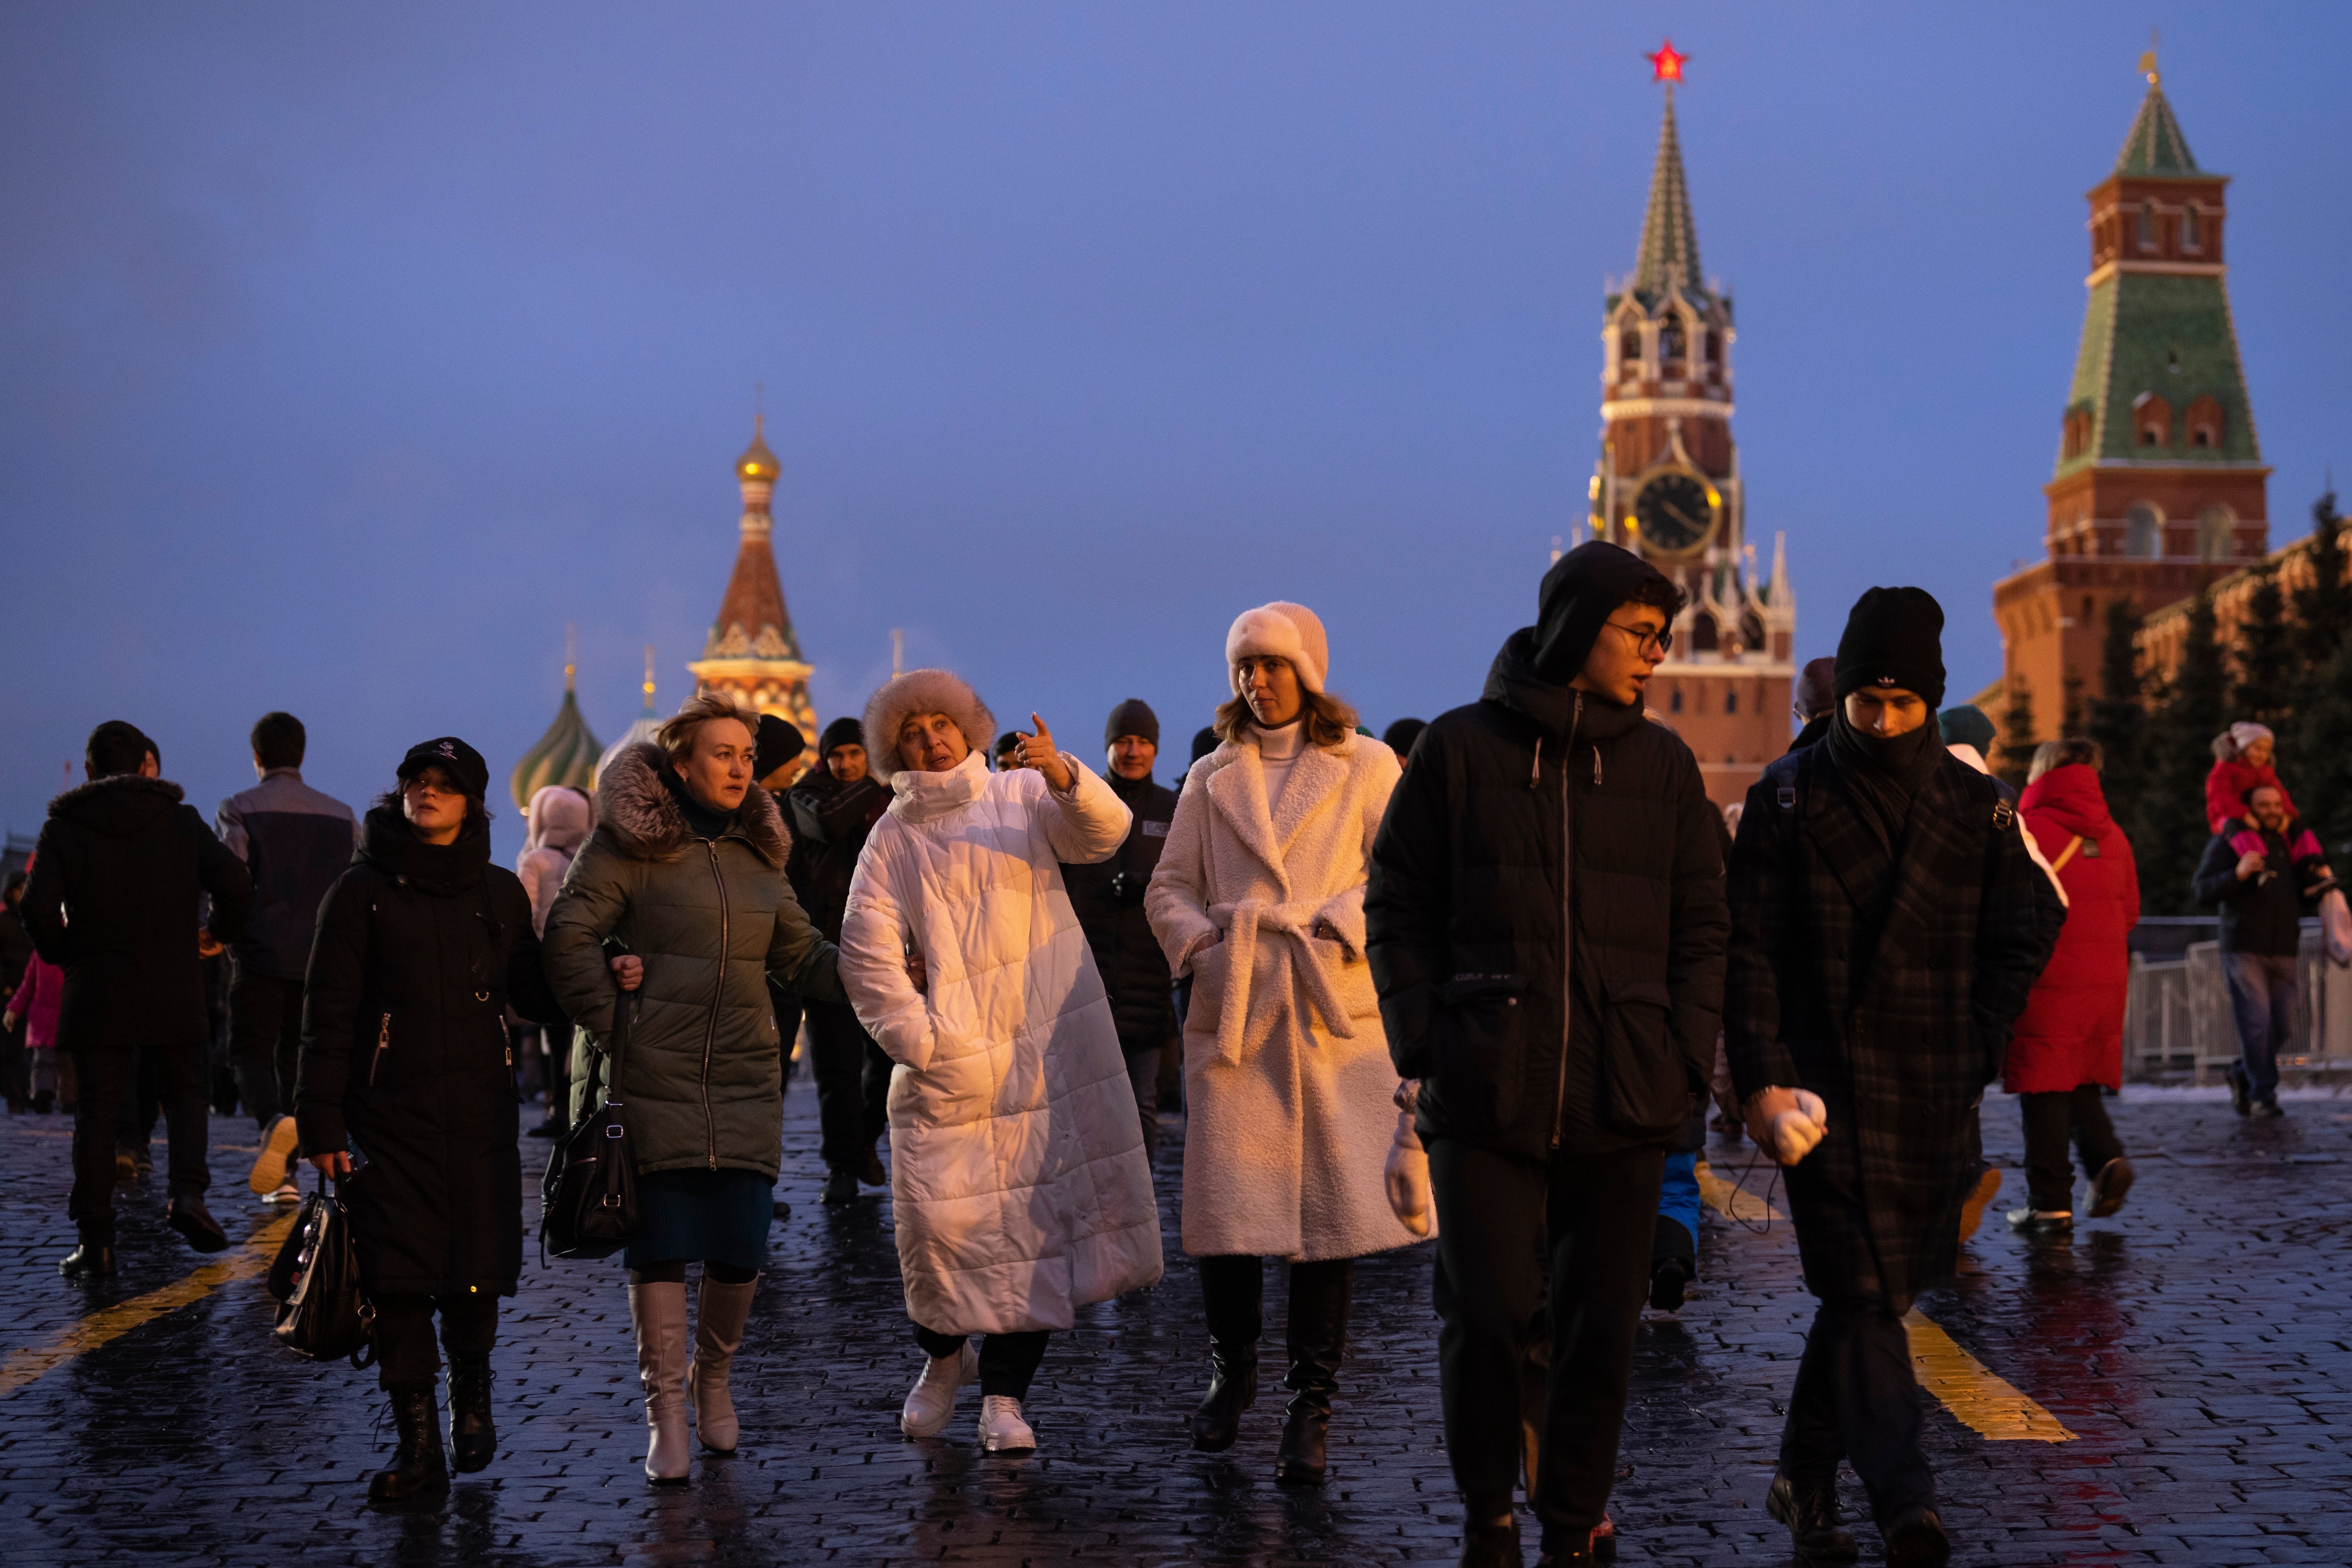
[1666, 65]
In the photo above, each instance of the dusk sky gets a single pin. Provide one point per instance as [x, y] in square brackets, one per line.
[347, 353]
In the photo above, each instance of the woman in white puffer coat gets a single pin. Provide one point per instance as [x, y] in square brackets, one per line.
[1288, 1089]
[557, 822]
[1017, 1170]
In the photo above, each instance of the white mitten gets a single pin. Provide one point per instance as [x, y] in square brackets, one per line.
[1408, 1177]
[1796, 1133]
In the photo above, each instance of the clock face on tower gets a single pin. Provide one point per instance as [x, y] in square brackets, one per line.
[1677, 512]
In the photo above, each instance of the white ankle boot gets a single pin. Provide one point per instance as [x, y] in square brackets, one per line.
[718, 1335]
[932, 1399]
[658, 1311]
[1002, 1430]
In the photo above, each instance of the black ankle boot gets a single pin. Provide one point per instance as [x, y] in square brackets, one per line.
[1232, 1388]
[1491, 1544]
[1318, 1332]
[1811, 1512]
[473, 1439]
[417, 1468]
[1916, 1539]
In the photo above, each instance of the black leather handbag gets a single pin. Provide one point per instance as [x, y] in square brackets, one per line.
[322, 1313]
[588, 1199]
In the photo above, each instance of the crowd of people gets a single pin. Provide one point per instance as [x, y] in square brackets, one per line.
[1478, 981]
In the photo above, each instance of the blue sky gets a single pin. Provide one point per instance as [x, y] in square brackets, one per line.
[346, 355]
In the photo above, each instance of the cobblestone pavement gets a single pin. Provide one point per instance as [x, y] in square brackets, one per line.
[2193, 1345]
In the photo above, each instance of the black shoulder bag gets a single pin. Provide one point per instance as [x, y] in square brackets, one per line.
[588, 1199]
[323, 1312]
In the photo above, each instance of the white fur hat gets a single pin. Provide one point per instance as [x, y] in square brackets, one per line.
[922, 691]
[1282, 630]
[2245, 733]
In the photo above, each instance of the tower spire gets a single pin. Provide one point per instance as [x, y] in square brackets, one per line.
[1669, 238]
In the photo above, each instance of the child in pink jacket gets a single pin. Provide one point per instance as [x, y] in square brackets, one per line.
[2241, 760]
[35, 1001]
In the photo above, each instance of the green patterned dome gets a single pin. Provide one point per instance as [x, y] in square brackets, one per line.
[565, 755]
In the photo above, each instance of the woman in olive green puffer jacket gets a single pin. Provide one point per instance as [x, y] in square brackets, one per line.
[686, 871]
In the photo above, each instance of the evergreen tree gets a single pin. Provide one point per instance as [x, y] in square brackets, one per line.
[2014, 756]
[2117, 719]
[2178, 755]
[2321, 782]
[2267, 670]
[2322, 607]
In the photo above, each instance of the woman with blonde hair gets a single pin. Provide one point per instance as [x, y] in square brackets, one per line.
[1017, 1168]
[685, 869]
[1259, 896]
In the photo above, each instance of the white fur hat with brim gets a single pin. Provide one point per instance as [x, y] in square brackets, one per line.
[1280, 630]
[922, 691]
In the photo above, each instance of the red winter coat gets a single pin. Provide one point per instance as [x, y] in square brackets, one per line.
[2072, 1031]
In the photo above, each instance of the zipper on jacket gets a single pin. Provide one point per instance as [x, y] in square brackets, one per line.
[717, 996]
[1567, 918]
[383, 1043]
[506, 1034]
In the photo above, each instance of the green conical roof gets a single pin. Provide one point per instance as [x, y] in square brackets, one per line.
[1669, 237]
[565, 755]
[2155, 145]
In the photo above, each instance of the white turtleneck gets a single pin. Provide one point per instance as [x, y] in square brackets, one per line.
[1278, 748]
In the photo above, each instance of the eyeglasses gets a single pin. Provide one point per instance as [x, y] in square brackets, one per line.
[1648, 644]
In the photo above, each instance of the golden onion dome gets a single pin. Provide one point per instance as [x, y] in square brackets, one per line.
[757, 462]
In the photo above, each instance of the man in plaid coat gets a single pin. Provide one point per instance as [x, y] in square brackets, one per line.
[1886, 926]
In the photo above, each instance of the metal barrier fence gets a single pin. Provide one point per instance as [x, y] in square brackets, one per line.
[2176, 1017]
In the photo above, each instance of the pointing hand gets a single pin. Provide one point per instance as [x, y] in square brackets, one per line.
[1037, 751]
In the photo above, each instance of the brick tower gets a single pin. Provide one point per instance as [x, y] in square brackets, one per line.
[2159, 485]
[1668, 485]
[751, 649]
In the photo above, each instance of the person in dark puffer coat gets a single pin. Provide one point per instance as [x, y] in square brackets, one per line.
[1547, 928]
[1888, 923]
[2069, 1041]
[406, 1064]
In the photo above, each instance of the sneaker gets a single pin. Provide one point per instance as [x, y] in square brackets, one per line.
[932, 1399]
[126, 1165]
[2108, 1187]
[2042, 1222]
[2241, 1093]
[1002, 1430]
[286, 1196]
[273, 1165]
[841, 1187]
[2266, 1108]
[874, 1176]
[1979, 1199]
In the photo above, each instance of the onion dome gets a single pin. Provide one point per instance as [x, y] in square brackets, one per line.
[757, 462]
[643, 729]
[565, 755]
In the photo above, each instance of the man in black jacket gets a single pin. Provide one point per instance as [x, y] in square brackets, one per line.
[118, 879]
[1108, 898]
[2262, 880]
[1547, 928]
[833, 807]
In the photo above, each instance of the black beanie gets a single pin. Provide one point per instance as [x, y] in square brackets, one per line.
[1895, 637]
[1203, 742]
[843, 732]
[1132, 717]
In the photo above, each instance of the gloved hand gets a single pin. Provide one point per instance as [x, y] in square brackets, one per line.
[1787, 1123]
[1408, 1177]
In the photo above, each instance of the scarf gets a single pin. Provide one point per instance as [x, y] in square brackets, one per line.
[700, 820]
[1881, 774]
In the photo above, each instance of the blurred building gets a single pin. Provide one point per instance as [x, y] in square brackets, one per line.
[2160, 487]
[1668, 485]
[751, 649]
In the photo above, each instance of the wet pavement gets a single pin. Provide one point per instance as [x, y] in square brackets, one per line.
[2195, 1347]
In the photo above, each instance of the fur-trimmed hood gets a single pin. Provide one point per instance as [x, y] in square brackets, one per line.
[922, 691]
[637, 817]
[119, 804]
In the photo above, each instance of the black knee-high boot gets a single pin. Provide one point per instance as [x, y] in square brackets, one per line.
[417, 1468]
[1317, 1331]
[1232, 1290]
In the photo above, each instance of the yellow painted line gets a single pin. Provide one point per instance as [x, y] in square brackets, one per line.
[111, 1323]
[1990, 1404]
[1730, 1199]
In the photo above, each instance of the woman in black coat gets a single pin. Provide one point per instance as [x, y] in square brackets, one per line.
[407, 1093]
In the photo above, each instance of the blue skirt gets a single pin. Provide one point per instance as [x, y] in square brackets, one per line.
[719, 1216]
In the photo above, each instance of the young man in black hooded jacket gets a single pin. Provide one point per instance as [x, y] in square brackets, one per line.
[1546, 930]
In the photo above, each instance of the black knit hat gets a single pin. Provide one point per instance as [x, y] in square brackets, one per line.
[844, 730]
[779, 742]
[1203, 742]
[452, 756]
[1895, 637]
[1132, 717]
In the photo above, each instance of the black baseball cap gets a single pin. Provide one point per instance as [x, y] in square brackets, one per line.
[452, 756]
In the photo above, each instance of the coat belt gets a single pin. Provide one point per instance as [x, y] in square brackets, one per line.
[1292, 925]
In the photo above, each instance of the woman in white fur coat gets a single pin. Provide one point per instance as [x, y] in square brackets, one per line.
[1287, 1083]
[1017, 1168]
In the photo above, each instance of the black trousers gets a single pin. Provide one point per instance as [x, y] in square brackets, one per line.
[404, 1333]
[107, 1076]
[1857, 1399]
[2048, 1117]
[265, 1042]
[853, 1085]
[1144, 1079]
[1504, 1225]
[1008, 1362]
